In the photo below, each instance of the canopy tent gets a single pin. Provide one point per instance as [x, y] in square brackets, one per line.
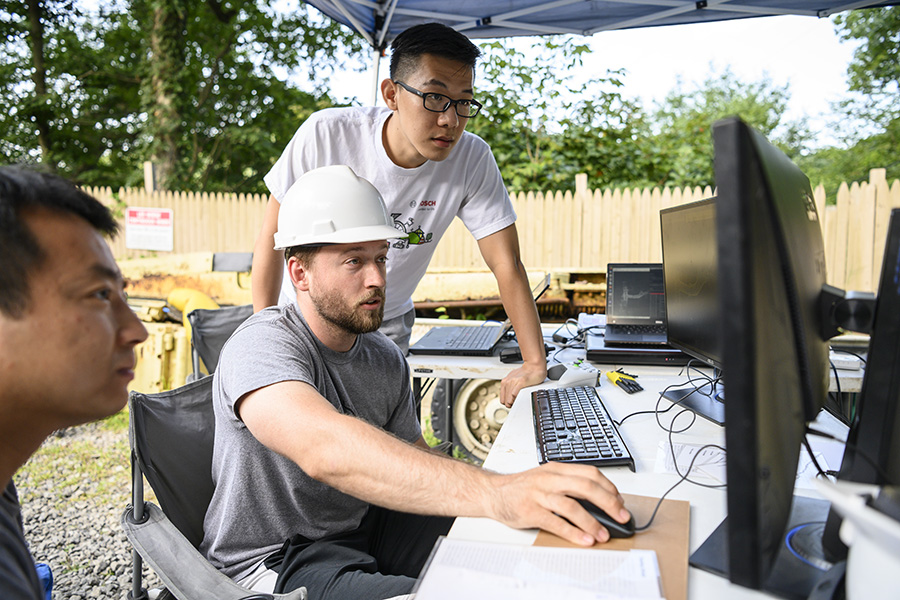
[379, 21]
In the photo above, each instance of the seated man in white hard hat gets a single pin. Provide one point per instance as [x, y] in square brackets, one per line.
[322, 477]
[429, 170]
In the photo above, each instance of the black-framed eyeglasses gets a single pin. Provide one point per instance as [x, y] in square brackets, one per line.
[440, 103]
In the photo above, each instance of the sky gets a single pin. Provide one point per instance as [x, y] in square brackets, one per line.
[804, 53]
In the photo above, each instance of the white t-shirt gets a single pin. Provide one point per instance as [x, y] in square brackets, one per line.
[422, 201]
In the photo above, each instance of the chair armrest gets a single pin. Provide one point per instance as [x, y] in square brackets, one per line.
[183, 570]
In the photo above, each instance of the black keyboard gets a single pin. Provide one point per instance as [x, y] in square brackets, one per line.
[638, 329]
[572, 425]
[472, 337]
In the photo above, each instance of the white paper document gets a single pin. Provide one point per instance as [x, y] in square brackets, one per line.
[708, 463]
[466, 569]
[806, 469]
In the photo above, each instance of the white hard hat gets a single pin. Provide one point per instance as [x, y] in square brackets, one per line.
[332, 205]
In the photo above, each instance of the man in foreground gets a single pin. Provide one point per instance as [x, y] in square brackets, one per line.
[67, 335]
[322, 476]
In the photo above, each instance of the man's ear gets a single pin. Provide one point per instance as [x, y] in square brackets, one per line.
[299, 274]
[389, 94]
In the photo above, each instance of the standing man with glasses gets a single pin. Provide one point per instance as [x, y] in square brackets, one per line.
[418, 154]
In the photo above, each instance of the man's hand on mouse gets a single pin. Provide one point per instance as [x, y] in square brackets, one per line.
[545, 497]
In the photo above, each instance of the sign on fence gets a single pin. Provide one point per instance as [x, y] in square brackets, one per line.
[149, 229]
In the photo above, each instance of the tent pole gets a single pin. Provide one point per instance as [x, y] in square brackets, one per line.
[376, 63]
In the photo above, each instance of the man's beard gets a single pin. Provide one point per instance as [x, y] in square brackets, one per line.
[333, 308]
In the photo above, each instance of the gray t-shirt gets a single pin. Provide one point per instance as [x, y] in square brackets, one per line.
[262, 498]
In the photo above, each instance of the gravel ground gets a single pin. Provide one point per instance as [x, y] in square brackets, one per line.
[73, 492]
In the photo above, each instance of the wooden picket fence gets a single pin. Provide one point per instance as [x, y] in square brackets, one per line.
[202, 222]
[578, 230]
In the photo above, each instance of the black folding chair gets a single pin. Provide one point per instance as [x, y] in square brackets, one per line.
[171, 436]
[210, 329]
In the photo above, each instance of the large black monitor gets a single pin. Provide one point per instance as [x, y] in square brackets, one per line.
[873, 445]
[775, 313]
[771, 272]
[690, 274]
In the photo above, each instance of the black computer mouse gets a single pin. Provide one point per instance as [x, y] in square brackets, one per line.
[554, 372]
[616, 529]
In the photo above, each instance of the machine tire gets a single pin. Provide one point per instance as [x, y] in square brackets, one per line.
[475, 414]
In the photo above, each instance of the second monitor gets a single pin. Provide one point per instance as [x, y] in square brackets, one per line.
[690, 263]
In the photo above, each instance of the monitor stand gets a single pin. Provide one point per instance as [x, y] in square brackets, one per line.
[799, 566]
[707, 400]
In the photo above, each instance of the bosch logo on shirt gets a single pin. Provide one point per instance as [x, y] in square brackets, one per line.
[427, 204]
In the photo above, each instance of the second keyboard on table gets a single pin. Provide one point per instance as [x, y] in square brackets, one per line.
[572, 425]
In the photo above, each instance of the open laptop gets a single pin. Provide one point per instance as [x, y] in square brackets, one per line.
[469, 341]
[635, 304]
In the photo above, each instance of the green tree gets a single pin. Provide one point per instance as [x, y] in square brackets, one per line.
[870, 126]
[516, 100]
[544, 127]
[607, 137]
[219, 111]
[206, 89]
[58, 106]
[874, 71]
[683, 124]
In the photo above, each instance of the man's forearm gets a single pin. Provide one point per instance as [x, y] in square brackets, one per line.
[501, 253]
[268, 263]
[370, 464]
[519, 305]
[267, 272]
